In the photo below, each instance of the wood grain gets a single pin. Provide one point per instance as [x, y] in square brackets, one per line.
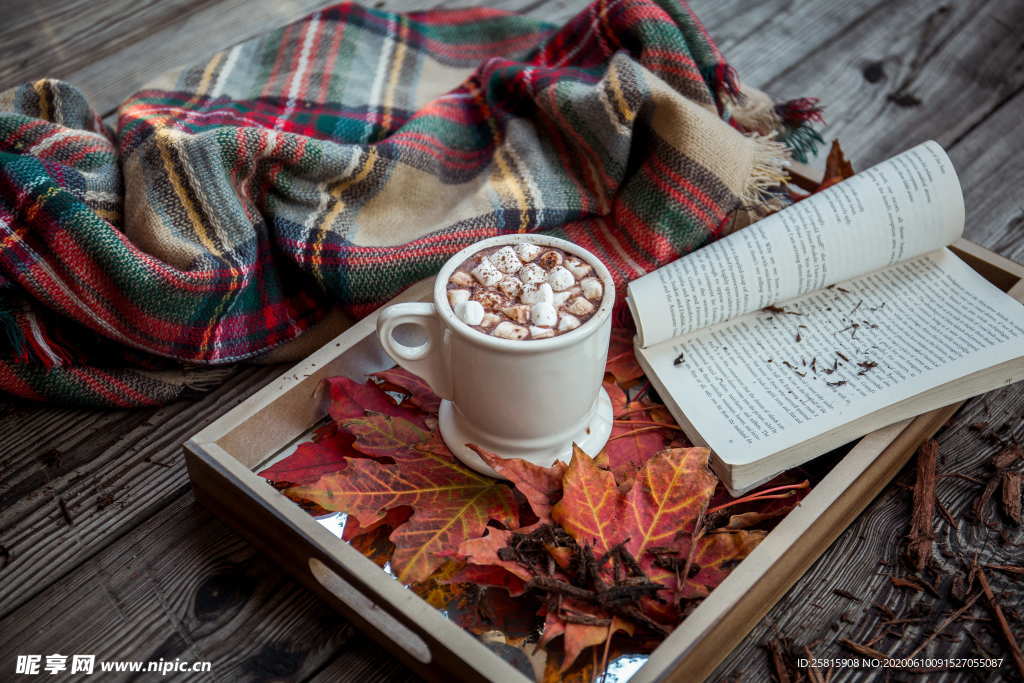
[182, 586]
[960, 60]
[112, 470]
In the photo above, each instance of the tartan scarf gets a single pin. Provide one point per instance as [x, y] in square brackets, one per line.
[335, 161]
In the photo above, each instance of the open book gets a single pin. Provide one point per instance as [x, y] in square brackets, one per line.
[834, 317]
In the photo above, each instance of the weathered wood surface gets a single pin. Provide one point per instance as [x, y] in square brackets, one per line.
[142, 572]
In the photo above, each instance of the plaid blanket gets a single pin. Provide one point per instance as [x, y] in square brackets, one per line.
[335, 161]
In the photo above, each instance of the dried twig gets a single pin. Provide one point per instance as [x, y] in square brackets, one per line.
[1004, 626]
[949, 620]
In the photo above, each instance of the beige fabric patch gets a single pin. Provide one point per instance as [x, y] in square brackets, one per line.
[413, 203]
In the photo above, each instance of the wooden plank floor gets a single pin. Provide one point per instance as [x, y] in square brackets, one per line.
[137, 570]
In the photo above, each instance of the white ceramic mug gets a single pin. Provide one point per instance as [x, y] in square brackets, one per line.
[529, 399]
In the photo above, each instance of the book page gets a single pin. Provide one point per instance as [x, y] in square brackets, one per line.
[764, 382]
[901, 208]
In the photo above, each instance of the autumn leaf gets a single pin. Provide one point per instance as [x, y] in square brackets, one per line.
[578, 637]
[387, 437]
[450, 502]
[489, 575]
[591, 508]
[717, 553]
[375, 544]
[394, 517]
[837, 167]
[484, 552]
[622, 362]
[670, 493]
[349, 399]
[541, 486]
[419, 392]
[311, 460]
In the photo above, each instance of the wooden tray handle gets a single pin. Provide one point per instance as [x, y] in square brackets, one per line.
[375, 614]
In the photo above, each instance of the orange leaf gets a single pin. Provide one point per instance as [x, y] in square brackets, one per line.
[578, 637]
[451, 502]
[663, 504]
[717, 554]
[591, 509]
[484, 552]
[541, 486]
[670, 493]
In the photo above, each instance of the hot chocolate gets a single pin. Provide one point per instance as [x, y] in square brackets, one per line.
[524, 291]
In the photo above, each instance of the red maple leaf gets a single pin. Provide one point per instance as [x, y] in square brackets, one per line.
[418, 392]
[350, 399]
[311, 460]
[450, 502]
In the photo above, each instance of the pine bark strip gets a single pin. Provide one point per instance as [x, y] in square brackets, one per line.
[919, 546]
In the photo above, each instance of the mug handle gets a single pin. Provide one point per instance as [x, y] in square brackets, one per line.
[428, 360]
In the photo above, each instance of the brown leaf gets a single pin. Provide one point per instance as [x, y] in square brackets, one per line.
[837, 168]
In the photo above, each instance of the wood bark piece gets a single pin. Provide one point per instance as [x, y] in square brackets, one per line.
[919, 545]
[1011, 496]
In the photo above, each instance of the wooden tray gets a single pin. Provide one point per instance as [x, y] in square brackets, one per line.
[223, 458]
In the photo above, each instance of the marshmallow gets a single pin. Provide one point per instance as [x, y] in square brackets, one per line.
[486, 274]
[550, 259]
[505, 260]
[543, 314]
[457, 296]
[559, 278]
[577, 267]
[531, 274]
[541, 332]
[511, 286]
[560, 298]
[568, 321]
[507, 330]
[470, 312]
[580, 306]
[526, 251]
[490, 320]
[592, 288]
[534, 293]
[488, 299]
[520, 313]
[461, 278]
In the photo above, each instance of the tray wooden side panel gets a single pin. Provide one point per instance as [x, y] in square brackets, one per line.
[222, 457]
[394, 616]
